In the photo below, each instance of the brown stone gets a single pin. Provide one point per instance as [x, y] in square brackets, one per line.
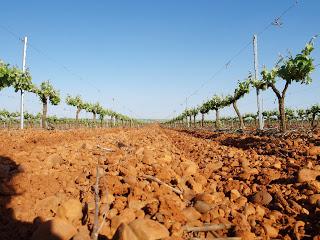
[306, 175]
[202, 207]
[56, 228]
[54, 160]
[191, 214]
[270, 231]
[314, 151]
[124, 232]
[314, 198]
[148, 157]
[189, 168]
[146, 229]
[70, 210]
[234, 194]
[262, 197]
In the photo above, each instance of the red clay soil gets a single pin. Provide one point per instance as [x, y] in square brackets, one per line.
[263, 187]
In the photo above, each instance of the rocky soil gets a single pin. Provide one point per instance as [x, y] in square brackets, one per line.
[158, 184]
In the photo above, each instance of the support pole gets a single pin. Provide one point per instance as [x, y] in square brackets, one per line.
[256, 74]
[25, 41]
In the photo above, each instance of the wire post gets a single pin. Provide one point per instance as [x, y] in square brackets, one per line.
[256, 74]
[25, 41]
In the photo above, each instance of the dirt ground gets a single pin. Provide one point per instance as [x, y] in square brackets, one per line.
[260, 187]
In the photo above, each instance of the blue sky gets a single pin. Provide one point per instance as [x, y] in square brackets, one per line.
[150, 55]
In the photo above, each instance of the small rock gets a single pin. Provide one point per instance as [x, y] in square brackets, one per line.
[129, 214]
[148, 157]
[146, 229]
[159, 217]
[275, 215]
[191, 214]
[270, 231]
[101, 172]
[116, 222]
[189, 168]
[132, 181]
[241, 202]
[124, 232]
[112, 213]
[165, 159]
[262, 197]
[247, 235]
[48, 204]
[214, 166]
[54, 160]
[126, 216]
[260, 211]
[176, 230]
[314, 151]
[70, 210]
[202, 207]
[315, 185]
[87, 146]
[107, 198]
[314, 198]
[306, 175]
[56, 228]
[249, 209]
[244, 162]
[139, 214]
[234, 194]
[305, 211]
[83, 234]
[136, 204]
[277, 165]
[205, 197]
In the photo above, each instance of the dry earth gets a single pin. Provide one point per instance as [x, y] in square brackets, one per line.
[257, 187]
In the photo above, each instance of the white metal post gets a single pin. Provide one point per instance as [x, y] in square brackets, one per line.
[256, 75]
[25, 41]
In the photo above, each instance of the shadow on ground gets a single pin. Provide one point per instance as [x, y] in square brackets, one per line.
[10, 227]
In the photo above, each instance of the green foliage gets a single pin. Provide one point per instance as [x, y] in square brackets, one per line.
[12, 76]
[274, 114]
[298, 68]
[4, 114]
[217, 102]
[23, 83]
[302, 113]
[257, 83]
[242, 89]
[103, 112]
[205, 107]
[6, 75]
[47, 92]
[268, 78]
[314, 110]
[249, 117]
[11, 116]
[53, 119]
[194, 111]
[186, 113]
[270, 114]
[290, 113]
[92, 108]
[75, 101]
[31, 117]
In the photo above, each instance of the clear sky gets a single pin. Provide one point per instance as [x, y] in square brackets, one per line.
[150, 55]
